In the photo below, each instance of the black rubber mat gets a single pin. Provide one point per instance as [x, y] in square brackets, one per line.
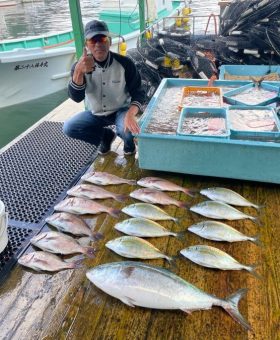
[18, 240]
[38, 168]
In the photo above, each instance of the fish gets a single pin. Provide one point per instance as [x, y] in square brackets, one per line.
[217, 231]
[148, 211]
[139, 284]
[43, 261]
[220, 211]
[156, 197]
[94, 192]
[227, 196]
[212, 257]
[58, 243]
[142, 227]
[104, 178]
[72, 224]
[136, 247]
[164, 185]
[77, 205]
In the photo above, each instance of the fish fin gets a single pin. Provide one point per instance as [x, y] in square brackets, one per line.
[96, 236]
[191, 192]
[252, 270]
[90, 251]
[184, 205]
[256, 239]
[128, 301]
[114, 212]
[121, 198]
[231, 307]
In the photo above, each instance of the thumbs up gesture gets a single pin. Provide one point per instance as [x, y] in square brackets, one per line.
[85, 63]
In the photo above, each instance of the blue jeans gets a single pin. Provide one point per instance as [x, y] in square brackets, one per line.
[92, 129]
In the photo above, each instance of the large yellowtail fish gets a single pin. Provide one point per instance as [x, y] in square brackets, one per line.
[139, 284]
[227, 196]
[77, 205]
[212, 257]
[72, 224]
[156, 197]
[142, 227]
[94, 192]
[43, 261]
[146, 210]
[58, 243]
[164, 185]
[136, 248]
[218, 231]
[220, 211]
[103, 178]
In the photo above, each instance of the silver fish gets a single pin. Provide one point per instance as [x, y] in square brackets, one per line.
[156, 197]
[94, 192]
[136, 247]
[220, 211]
[58, 243]
[40, 260]
[140, 284]
[218, 231]
[164, 185]
[146, 210]
[103, 178]
[227, 196]
[211, 257]
[72, 224]
[77, 205]
[142, 227]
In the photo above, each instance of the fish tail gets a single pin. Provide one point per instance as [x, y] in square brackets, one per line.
[121, 198]
[77, 264]
[181, 235]
[256, 239]
[231, 307]
[256, 220]
[172, 262]
[258, 207]
[183, 205]
[252, 270]
[131, 181]
[190, 192]
[96, 236]
[90, 251]
[114, 212]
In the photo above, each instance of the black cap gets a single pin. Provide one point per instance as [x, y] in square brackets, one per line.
[96, 27]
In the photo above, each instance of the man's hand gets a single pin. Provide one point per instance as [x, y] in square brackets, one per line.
[130, 122]
[83, 66]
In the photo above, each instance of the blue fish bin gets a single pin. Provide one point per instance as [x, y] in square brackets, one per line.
[253, 95]
[228, 72]
[162, 146]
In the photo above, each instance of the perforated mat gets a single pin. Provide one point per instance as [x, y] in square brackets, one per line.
[38, 168]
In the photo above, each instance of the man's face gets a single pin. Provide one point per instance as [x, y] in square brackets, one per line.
[99, 46]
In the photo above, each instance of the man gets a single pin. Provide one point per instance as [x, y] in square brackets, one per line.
[111, 87]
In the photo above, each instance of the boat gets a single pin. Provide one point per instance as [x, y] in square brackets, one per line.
[46, 60]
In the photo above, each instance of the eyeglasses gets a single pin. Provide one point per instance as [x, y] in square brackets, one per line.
[98, 39]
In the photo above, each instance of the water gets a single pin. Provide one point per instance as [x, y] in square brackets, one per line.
[38, 18]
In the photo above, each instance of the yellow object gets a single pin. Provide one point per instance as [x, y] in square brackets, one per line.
[148, 34]
[166, 61]
[186, 11]
[186, 19]
[176, 64]
[122, 48]
[178, 22]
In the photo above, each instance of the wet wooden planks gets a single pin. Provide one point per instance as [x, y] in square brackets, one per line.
[67, 306]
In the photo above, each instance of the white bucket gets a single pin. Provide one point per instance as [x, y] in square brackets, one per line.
[3, 227]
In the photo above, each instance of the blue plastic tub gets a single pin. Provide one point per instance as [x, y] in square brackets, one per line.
[229, 96]
[203, 113]
[248, 70]
[250, 134]
[217, 157]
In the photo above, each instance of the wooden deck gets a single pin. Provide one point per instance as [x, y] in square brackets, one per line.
[66, 305]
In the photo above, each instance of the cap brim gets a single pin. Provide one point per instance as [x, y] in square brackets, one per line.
[93, 34]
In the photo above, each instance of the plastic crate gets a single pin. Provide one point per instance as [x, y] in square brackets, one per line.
[201, 92]
[205, 114]
[243, 71]
[250, 134]
[229, 96]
